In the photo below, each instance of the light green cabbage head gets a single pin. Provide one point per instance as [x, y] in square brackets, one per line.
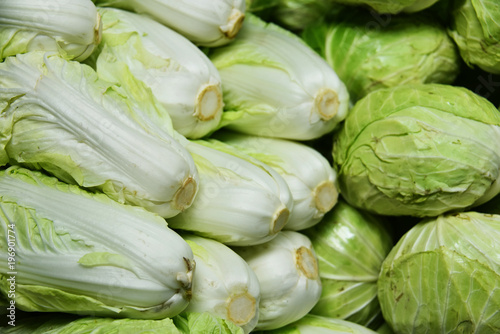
[475, 27]
[294, 15]
[419, 150]
[350, 245]
[370, 52]
[391, 6]
[443, 276]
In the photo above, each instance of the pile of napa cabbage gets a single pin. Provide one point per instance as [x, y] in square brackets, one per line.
[231, 166]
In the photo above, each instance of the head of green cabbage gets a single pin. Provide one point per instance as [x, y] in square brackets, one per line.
[443, 276]
[419, 150]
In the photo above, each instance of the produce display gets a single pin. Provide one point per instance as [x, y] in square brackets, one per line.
[250, 166]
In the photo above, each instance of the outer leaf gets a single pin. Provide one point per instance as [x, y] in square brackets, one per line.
[203, 323]
[61, 324]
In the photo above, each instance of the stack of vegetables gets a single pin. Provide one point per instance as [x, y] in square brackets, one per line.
[230, 166]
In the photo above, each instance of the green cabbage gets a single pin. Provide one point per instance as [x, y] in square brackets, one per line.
[419, 150]
[443, 276]
[369, 53]
[72, 28]
[391, 6]
[351, 246]
[475, 27]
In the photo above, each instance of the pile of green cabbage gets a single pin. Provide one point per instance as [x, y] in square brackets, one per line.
[232, 166]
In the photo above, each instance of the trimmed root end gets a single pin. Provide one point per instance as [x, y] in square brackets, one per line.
[185, 195]
[241, 309]
[280, 219]
[306, 263]
[186, 279]
[326, 103]
[234, 24]
[325, 196]
[98, 30]
[208, 103]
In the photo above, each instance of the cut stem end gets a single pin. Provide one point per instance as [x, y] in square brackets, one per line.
[234, 24]
[325, 196]
[326, 103]
[208, 103]
[241, 309]
[185, 195]
[280, 219]
[306, 263]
